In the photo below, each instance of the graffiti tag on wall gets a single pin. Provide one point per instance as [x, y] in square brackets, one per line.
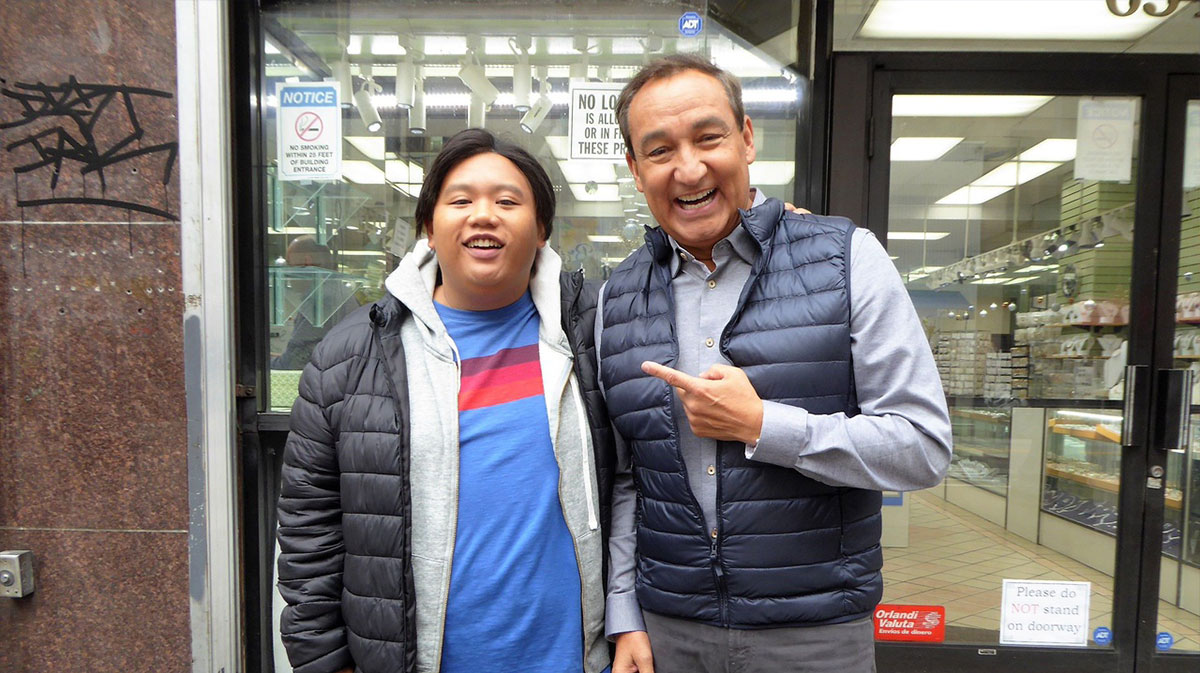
[86, 130]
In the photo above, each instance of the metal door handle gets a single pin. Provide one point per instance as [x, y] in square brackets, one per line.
[1177, 405]
[1133, 431]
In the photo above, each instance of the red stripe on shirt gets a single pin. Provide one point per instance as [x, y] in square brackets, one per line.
[502, 358]
[499, 394]
[502, 376]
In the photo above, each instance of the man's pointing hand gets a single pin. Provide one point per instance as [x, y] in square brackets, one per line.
[720, 403]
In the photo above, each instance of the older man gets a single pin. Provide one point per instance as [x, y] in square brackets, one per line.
[769, 377]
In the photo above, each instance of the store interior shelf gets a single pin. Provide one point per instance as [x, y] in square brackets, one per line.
[1110, 485]
[1096, 432]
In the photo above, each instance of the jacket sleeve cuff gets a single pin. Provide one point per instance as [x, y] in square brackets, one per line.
[622, 614]
[784, 435]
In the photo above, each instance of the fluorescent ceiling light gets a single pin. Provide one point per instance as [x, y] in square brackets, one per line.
[936, 105]
[560, 46]
[769, 95]
[498, 45]
[588, 171]
[922, 149]
[1061, 150]
[404, 172]
[270, 48]
[371, 146]
[381, 45]
[772, 172]
[445, 45]
[1003, 20]
[1037, 268]
[560, 146]
[361, 253]
[917, 235]
[1012, 173]
[362, 172]
[605, 238]
[293, 230]
[602, 192]
[995, 280]
[971, 196]
[627, 45]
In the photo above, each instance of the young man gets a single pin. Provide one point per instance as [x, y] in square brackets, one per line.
[769, 377]
[449, 461]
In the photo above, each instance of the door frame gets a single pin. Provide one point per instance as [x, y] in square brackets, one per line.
[859, 168]
[1180, 88]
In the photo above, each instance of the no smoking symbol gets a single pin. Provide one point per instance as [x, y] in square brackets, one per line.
[309, 127]
[1105, 136]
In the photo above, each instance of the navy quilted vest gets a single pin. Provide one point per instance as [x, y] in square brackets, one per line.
[789, 550]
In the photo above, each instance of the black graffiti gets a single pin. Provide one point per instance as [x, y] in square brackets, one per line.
[77, 108]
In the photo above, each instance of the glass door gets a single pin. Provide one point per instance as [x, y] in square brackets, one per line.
[1170, 642]
[1020, 205]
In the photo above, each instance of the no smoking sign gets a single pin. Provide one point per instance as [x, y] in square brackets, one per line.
[310, 132]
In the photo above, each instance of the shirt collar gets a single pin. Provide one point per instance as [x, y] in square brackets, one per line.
[740, 240]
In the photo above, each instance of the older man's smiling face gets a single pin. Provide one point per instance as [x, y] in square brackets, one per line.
[690, 159]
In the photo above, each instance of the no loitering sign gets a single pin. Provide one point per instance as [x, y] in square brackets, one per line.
[310, 131]
[594, 131]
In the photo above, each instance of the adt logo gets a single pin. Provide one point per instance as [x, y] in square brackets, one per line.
[1102, 636]
[690, 24]
[1164, 642]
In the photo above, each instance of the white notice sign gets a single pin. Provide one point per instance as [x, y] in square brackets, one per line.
[1104, 139]
[595, 133]
[310, 131]
[1034, 612]
[1191, 147]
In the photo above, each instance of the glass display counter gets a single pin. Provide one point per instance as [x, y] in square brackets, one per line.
[981, 447]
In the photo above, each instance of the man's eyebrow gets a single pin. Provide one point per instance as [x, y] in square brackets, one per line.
[707, 122]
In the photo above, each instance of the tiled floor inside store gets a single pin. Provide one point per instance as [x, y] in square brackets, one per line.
[959, 560]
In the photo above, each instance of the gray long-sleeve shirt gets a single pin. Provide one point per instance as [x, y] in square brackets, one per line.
[900, 441]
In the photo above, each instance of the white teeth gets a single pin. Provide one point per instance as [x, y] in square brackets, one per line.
[484, 244]
[694, 203]
[697, 201]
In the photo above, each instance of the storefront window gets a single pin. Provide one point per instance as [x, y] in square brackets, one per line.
[1093, 26]
[407, 75]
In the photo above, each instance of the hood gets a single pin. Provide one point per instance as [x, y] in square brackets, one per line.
[414, 279]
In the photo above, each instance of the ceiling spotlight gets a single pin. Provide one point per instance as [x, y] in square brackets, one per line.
[341, 71]
[521, 73]
[416, 116]
[538, 111]
[406, 74]
[366, 109]
[472, 74]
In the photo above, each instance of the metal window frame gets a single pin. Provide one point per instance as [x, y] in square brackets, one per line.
[205, 170]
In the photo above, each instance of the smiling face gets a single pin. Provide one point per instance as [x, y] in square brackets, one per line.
[690, 158]
[485, 233]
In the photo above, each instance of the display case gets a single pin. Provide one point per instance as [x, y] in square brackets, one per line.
[981, 447]
[1082, 475]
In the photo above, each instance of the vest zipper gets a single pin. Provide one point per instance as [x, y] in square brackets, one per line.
[718, 569]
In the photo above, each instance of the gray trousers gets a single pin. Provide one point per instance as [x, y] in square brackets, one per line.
[682, 646]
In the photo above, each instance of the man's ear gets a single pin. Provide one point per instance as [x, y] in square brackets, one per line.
[428, 228]
[633, 168]
[542, 237]
[748, 138]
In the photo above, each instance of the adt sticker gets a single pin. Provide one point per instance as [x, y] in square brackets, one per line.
[1163, 642]
[690, 24]
[1102, 635]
